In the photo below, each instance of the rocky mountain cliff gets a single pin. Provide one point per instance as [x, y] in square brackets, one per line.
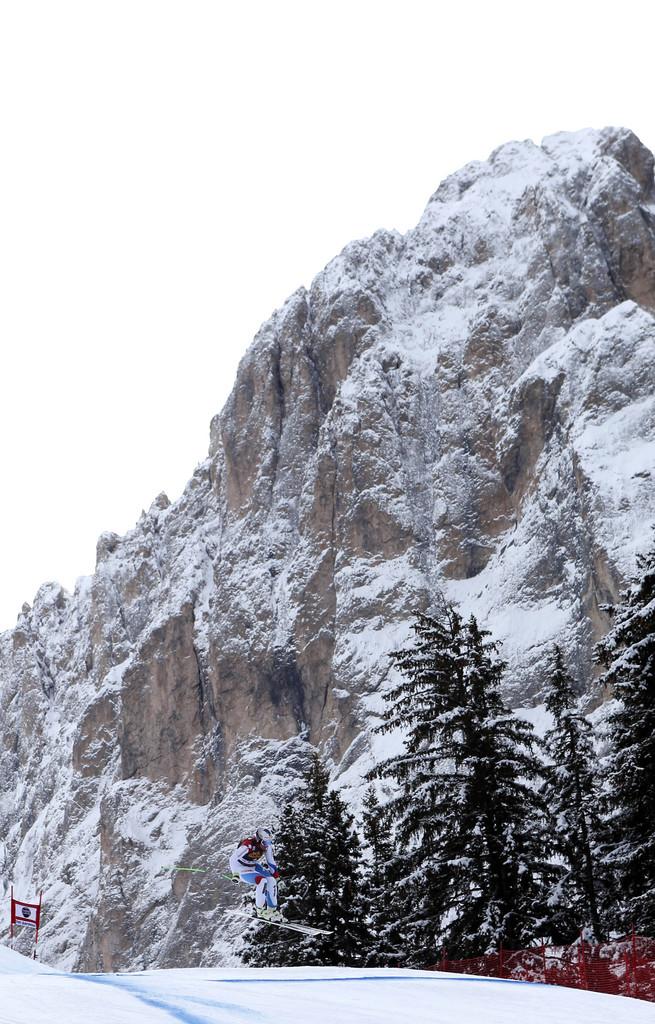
[465, 412]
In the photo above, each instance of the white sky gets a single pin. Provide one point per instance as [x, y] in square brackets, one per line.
[172, 171]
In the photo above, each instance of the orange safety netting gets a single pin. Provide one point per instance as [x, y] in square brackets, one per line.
[624, 967]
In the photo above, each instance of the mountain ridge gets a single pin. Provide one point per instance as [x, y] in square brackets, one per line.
[464, 412]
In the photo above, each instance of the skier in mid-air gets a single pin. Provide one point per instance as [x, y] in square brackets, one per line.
[254, 862]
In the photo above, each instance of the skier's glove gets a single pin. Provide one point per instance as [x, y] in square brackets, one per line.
[276, 873]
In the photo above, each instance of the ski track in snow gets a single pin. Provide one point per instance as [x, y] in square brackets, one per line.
[323, 995]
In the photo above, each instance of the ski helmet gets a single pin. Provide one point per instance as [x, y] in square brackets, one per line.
[264, 835]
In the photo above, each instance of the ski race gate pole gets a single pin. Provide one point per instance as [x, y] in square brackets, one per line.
[25, 915]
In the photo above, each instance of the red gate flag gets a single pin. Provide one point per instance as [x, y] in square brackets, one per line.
[26, 915]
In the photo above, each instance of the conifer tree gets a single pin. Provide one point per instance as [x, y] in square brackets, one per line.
[319, 854]
[470, 827]
[431, 687]
[378, 841]
[385, 943]
[342, 909]
[571, 793]
[502, 823]
[628, 652]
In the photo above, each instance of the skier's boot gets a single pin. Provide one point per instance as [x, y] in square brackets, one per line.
[269, 914]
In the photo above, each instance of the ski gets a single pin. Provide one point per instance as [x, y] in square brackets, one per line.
[293, 926]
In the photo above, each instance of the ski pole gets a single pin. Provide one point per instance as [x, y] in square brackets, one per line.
[199, 871]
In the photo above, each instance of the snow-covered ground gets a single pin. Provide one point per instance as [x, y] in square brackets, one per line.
[37, 994]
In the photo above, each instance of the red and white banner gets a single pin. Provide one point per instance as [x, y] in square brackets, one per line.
[25, 915]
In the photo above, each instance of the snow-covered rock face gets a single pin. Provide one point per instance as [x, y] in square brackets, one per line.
[467, 411]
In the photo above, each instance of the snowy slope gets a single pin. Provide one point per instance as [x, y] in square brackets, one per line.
[294, 996]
